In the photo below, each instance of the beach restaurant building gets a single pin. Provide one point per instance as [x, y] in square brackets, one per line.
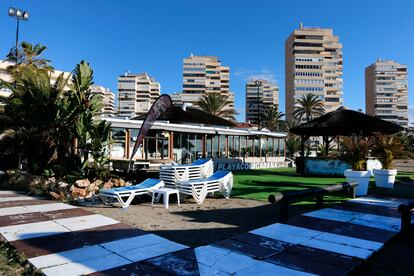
[184, 134]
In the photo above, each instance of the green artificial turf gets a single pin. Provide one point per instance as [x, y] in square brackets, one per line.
[259, 184]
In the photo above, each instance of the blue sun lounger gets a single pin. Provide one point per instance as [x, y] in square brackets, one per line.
[125, 195]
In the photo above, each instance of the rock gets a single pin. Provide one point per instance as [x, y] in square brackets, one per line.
[108, 185]
[62, 185]
[121, 182]
[92, 188]
[118, 182]
[78, 192]
[129, 183]
[90, 195]
[55, 196]
[98, 183]
[82, 183]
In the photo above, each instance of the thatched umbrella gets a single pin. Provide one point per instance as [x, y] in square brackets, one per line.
[343, 122]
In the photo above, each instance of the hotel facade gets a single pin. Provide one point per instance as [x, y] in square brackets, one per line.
[313, 65]
[260, 95]
[204, 75]
[108, 98]
[386, 91]
[136, 94]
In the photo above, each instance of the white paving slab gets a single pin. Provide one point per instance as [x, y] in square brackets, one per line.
[142, 247]
[18, 210]
[70, 256]
[218, 261]
[375, 221]
[89, 266]
[53, 227]
[9, 193]
[321, 240]
[85, 222]
[380, 222]
[392, 203]
[286, 233]
[32, 230]
[344, 245]
[17, 198]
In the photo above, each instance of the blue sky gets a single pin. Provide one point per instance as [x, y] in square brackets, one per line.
[154, 37]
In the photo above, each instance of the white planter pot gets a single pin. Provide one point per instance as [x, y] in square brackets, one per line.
[385, 178]
[362, 178]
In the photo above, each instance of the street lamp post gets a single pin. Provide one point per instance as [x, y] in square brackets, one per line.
[258, 83]
[19, 15]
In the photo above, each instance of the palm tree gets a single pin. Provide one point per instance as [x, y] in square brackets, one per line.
[40, 120]
[271, 118]
[308, 107]
[28, 122]
[216, 104]
[29, 55]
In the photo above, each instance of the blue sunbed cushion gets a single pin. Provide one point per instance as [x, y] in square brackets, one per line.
[200, 161]
[218, 175]
[145, 185]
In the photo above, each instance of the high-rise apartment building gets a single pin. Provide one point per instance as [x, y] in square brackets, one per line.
[108, 98]
[260, 95]
[136, 94]
[313, 64]
[5, 76]
[386, 91]
[204, 75]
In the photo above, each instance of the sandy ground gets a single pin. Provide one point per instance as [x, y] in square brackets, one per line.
[191, 224]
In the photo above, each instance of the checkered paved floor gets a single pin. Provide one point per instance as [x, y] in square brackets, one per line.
[61, 239]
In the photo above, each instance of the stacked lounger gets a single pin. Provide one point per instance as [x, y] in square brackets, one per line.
[221, 181]
[202, 168]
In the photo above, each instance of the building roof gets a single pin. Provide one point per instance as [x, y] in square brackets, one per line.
[345, 122]
[190, 115]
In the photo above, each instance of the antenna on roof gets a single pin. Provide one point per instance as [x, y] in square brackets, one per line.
[191, 55]
[300, 25]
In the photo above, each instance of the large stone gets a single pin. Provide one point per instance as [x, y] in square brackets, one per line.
[92, 188]
[97, 183]
[55, 195]
[108, 185]
[62, 185]
[78, 192]
[82, 183]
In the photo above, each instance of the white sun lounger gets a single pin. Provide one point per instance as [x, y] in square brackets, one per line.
[220, 181]
[201, 168]
[125, 195]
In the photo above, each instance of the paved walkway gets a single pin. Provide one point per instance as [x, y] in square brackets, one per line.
[61, 239]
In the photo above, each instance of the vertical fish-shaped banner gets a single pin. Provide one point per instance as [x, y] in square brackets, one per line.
[160, 106]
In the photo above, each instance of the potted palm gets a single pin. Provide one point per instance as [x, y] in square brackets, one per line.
[356, 152]
[386, 148]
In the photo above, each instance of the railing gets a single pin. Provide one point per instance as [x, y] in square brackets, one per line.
[405, 210]
[285, 198]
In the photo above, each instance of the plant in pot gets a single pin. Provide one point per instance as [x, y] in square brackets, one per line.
[356, 151]
[386, 148]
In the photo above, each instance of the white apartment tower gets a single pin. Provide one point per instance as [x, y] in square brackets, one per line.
[108, 98]
[313, 64]
[386, 91]
[203, 75]
[136, 94]
[260, 95]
